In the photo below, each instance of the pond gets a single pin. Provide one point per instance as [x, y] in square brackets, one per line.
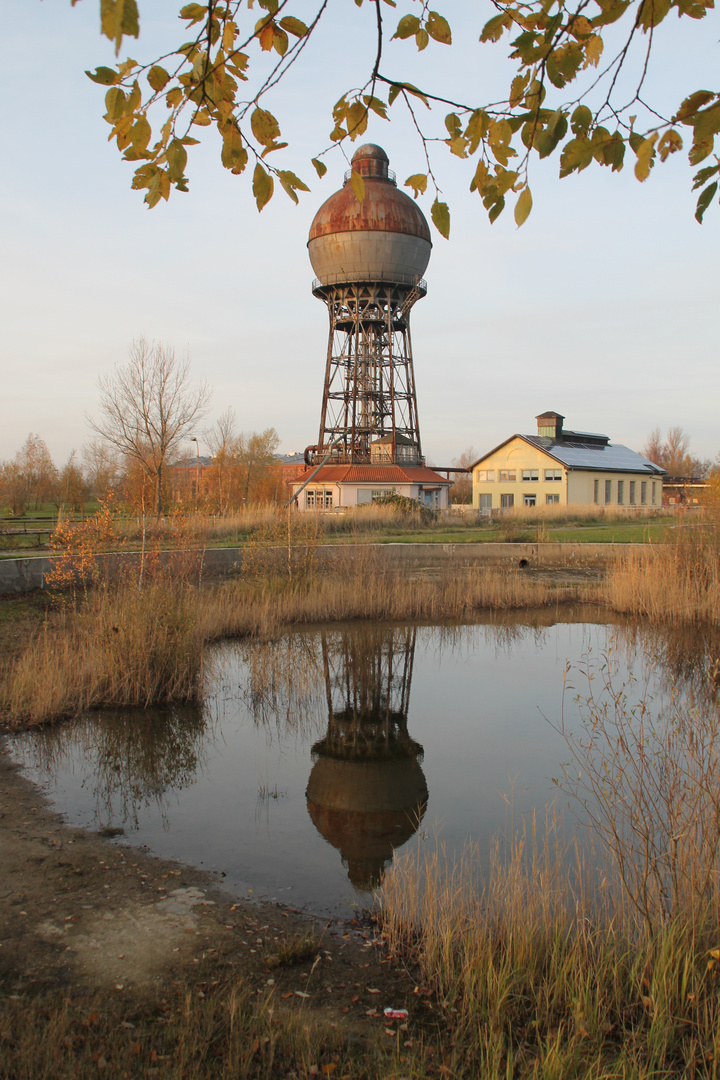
[314, 758]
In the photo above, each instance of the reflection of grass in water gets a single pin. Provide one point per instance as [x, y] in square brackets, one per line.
[132, 759]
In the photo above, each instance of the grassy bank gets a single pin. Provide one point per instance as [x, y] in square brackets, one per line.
[364, 524]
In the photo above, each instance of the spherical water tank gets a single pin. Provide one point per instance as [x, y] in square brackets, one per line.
[383, 238]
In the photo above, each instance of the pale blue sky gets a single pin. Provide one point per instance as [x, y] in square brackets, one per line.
[603, 306]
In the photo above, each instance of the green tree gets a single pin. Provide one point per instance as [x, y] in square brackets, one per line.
[566, 96]
[147, 408]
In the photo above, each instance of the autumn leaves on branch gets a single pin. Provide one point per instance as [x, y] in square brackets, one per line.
[562, 96]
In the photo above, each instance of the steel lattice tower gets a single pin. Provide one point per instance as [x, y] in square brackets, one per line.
[369, 257]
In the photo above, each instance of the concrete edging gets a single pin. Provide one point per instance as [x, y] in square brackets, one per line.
[19, 576]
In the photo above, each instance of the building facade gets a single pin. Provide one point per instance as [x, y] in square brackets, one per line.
[342, 486]
[558, 467]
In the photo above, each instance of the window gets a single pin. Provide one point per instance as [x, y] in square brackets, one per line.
[485, 502]
[596, 491]
[621, 486]
[553, 474]
[317, 499]
[643, 492]
[507, 476]
[485, 476]
[552, 500]
[632, 492]
[378, 496]
[507, 501]
[529, 475]
[608, 491]
[653, 492]
[529, 500]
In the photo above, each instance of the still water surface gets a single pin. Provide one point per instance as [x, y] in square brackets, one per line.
[315, 758]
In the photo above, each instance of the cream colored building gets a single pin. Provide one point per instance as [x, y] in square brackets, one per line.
[564, 468]
[332, 487]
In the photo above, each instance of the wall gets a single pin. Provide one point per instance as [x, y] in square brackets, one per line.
[26, 575]
[517, 455]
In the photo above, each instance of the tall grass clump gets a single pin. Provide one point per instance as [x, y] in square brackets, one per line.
[591, 957]
[675, 582]
[123, 646]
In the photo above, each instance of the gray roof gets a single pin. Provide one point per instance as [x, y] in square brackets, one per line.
[610, 457]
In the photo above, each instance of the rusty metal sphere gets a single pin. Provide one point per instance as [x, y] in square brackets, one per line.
[383, 238]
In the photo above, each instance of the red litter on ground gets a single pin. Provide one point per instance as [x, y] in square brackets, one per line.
[395, 1014]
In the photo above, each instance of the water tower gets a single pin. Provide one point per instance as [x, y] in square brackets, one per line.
[369, 258]
[367, 793]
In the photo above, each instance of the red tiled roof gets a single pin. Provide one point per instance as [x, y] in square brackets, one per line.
[373, 474]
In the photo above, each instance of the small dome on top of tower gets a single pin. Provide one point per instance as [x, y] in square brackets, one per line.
[371, 160]
[384, 237]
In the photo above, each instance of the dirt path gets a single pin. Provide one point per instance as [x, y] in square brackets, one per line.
[83, 913]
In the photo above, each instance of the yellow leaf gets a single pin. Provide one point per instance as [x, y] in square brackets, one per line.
[645, 157]
[593, 51]
[266, 37]
[358, 185]
[440, 215]
[262, 186]
[229, 34]
[418, 182]
[523, 207]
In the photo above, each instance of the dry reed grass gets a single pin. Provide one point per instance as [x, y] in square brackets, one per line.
[221, 1033]
[129, 645]
[600, 960]
[676, 582]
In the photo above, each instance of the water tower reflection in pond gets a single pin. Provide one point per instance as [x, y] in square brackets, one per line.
[367, 792]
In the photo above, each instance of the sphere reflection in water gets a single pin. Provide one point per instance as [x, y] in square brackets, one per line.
[367, 793]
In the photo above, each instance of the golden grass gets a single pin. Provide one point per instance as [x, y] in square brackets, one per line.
[128, 645]
[221, 1033]
[541, 972]
[676, 582]
[596, 958]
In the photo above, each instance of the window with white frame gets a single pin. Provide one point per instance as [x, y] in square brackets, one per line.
[485, 476]
[632, 493]
[507, 476]
[621, 492]
[529, 475]
[552, 500]
[485, 502]
[653, 493]
[529, 500]
[553, 474]
[643, 492]
[507, 502]
[608, 491]
[596, 491]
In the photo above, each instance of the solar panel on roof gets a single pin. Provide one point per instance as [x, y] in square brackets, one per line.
[608, 458]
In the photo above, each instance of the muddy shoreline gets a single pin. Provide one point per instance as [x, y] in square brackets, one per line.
[85, 915]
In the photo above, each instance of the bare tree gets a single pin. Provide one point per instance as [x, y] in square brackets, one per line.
[148, 407]
[673, 453]
[101, 468]
[461, 490]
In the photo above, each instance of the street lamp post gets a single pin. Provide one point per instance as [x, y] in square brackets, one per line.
[197, 469]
